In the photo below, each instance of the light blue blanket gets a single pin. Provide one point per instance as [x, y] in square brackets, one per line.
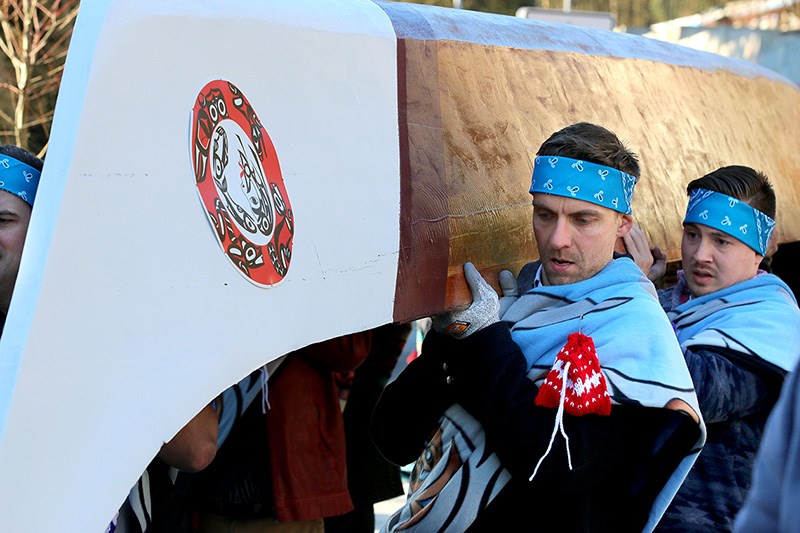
[636, 346]
[758, 318]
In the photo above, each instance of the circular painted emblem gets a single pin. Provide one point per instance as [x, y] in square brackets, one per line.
[240, 183]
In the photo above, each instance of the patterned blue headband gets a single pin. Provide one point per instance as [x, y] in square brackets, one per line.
[590, 182]
[730, 216]
[18, 178]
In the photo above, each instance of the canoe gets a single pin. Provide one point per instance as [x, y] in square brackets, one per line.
[230, 181]
[479, 93]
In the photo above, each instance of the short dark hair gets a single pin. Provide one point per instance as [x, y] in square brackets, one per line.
[21, 154]
[593, 143]
[743, 183]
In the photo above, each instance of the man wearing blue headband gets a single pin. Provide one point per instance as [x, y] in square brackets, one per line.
[506, 436]
[728, 316]
[19, 179]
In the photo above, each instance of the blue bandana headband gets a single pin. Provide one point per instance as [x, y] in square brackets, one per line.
[590, 182]
[730, 216]
[18, 178]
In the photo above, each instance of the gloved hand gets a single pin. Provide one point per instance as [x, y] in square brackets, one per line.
[484, 310]
[509, 286]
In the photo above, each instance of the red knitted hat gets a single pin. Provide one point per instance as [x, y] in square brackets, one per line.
[586, 387]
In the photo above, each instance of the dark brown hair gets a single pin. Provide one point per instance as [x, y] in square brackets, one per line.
[589, 142]
[743, 183]
[21, 154]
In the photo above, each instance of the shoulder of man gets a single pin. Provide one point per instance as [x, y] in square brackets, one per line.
[526, 277]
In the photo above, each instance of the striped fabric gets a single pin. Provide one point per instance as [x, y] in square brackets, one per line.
[154, 488]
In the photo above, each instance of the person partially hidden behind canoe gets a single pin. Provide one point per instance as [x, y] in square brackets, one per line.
[19, 179]
[739, 329]
[569, 408]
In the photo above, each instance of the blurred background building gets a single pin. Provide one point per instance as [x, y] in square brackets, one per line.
[766, 32]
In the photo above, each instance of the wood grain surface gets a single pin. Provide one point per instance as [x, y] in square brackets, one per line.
[473, 114]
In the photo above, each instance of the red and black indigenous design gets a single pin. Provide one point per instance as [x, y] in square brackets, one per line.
[240, 183]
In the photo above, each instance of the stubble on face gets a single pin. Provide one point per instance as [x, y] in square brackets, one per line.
[575, 238]
[561, 267]
[713, 260]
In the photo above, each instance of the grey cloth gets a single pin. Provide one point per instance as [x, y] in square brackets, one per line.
[527, 276]
[772, 503]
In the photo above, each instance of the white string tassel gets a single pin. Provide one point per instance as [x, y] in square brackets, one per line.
[265, 406]
[559, 423]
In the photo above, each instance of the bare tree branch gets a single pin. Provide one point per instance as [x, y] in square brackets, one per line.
[34, 35]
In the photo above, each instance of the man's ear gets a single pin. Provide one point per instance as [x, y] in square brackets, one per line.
[624, 225]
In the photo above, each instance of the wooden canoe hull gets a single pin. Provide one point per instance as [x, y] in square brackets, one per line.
[479, 94]
[405, 136]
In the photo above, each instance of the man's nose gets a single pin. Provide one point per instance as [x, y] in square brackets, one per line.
[702, 253]
[562, 235]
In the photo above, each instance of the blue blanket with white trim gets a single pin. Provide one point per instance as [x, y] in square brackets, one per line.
[758, 318]
[636, 346]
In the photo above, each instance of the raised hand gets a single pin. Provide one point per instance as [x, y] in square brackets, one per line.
[652, 261]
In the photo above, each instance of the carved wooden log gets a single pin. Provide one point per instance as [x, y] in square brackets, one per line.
[479, 93]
